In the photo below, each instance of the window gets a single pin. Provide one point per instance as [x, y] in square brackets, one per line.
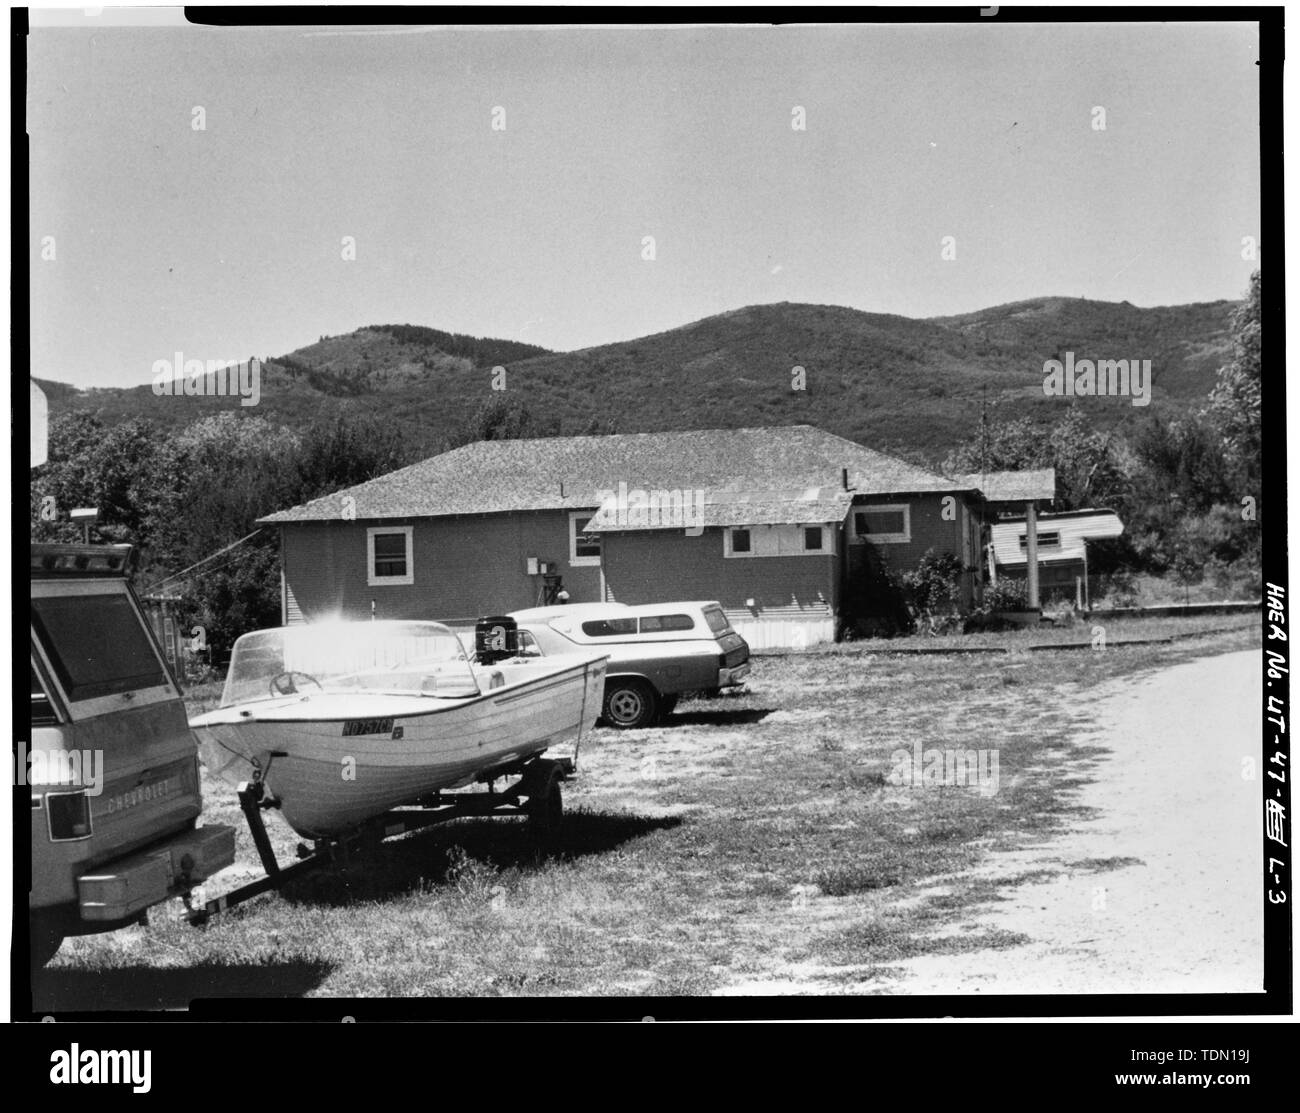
[42, 709]
[528, 646]
[389, 554]
[663, 623]
[1044, 539]
[609, 627]
[781, 539]
[883, 524]
[584, 548]
[717, 620]
[97, 645]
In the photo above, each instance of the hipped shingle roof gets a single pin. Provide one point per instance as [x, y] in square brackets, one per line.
[555, 473]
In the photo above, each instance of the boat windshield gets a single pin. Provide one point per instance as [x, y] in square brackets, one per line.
[372, 658]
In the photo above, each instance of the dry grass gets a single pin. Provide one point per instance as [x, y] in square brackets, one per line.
[755, 845]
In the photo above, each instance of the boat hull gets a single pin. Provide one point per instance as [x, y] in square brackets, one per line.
[334, 761]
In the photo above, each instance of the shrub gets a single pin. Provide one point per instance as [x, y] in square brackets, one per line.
[1006, 595]
[934, 589]
[1117, 589]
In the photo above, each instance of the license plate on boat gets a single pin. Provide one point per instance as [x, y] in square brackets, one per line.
[367, 726]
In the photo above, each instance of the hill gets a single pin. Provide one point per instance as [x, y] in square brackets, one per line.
[910, 386]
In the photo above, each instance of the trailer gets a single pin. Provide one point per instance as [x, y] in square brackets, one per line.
[536, 795]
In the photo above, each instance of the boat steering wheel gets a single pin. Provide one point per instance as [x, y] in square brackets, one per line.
[283, 685]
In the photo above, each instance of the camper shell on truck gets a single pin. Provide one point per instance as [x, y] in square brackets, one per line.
[111, 763]
[657, 651]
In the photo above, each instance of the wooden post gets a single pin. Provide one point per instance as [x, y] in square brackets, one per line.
[1031, 552]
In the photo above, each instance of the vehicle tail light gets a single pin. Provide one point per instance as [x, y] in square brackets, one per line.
[69, 814]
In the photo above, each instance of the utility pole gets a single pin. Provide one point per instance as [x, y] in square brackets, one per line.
[984, 430]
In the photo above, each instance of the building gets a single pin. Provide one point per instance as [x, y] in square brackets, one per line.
[777, 524]
[1008, 493]
[1063, 541]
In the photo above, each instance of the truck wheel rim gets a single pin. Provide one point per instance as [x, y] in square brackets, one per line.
[625, 706]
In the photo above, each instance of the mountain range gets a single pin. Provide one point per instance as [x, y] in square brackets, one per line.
[913, 387]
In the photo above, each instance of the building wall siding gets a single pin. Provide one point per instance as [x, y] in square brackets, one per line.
[930, 530]
[644, 567]
[463, 567]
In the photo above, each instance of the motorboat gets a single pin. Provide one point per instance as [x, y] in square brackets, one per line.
[341, 722]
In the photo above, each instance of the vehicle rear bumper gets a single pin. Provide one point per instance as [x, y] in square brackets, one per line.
[728, 677]
[121, 888]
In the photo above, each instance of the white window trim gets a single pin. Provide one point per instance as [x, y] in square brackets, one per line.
[885, 538]
[390, 581]
[756, 549]
[576, 561]
[727, 550]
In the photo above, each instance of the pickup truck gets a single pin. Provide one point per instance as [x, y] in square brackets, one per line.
[656, 651]
[112, 766]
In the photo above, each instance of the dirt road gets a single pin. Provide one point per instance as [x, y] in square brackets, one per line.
[1158, 891]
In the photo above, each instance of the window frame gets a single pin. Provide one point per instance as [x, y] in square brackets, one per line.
[730, 551]
[576, 561]
[1047, 539]
[87, 707]
[901, 538]
[374, 580]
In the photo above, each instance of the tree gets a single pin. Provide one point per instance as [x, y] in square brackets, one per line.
[1235, 402]
[1086, 460]
[500, 418]
[344, 451]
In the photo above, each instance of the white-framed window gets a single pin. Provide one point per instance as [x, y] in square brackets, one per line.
[781, 540]
[883, 525]
[584, 548]
[738, 542]
[390, 557]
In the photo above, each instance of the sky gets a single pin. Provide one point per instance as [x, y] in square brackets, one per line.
[229, 241]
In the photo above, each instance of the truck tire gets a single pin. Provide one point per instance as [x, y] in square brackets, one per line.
[630, 704]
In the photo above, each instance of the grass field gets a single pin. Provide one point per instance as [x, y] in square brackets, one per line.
[755, 844]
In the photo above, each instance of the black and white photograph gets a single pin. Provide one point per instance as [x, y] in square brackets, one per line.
[682, 514]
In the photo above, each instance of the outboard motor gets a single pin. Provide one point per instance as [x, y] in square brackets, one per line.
[496, 638]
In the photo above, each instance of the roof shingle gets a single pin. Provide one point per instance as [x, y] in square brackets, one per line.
[556, 473]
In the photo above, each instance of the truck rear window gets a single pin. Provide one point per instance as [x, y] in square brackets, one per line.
[97, 645]
[717, 620]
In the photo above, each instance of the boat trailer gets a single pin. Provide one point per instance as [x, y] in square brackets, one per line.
[535, 795]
